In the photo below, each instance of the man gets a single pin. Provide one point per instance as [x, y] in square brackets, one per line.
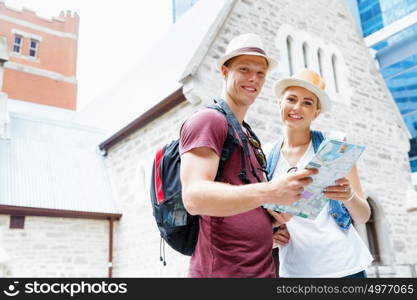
[235, 237]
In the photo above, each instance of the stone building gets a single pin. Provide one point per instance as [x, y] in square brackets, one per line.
[179, 77]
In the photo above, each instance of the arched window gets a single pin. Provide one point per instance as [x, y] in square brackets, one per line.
[305, 54]
[301, 49]
[335, 73]
[290, 46]
[320, 60]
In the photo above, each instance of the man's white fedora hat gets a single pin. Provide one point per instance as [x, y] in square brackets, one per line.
[309, 80]
[246, 44]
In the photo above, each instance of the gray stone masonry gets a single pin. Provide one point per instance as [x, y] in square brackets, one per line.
[55, 247]
[369, 117]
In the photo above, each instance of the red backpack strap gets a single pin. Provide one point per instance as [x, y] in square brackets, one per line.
[160, 197]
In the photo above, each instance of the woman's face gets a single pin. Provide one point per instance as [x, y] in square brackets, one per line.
[298, 107]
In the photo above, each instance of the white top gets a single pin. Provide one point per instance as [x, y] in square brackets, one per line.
[319, 248]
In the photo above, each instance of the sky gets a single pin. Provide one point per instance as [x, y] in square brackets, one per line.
[113, 35]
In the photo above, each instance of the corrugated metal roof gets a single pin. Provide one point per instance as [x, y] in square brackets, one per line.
[52, 163]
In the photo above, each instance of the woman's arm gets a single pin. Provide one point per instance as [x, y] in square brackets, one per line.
[349, 191]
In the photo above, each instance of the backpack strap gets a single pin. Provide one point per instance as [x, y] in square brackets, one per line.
[235, 123]
[316, 137]
[255, 137]
[233, 126]
[273, 157]
[228, 148]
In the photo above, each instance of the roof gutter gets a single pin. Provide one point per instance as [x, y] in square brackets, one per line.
[59, 213]
[156, 111]
[111, 247]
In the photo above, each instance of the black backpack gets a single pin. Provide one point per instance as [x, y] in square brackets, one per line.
[177, 227]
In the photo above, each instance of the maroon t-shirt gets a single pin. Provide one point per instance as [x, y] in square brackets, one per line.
[234, 246]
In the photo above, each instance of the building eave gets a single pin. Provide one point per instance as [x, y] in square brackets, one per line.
[58, 213]
[153, 113]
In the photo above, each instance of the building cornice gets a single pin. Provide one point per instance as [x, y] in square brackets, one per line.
[37, 71]
[156, 111]
[40, 28]
[59, 213]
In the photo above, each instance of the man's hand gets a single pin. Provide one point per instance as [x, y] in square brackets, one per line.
[282, 236]
[287, 189]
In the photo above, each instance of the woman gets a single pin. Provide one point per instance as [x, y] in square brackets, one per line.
[328, 246]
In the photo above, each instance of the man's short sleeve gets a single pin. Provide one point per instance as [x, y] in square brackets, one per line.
[206, 128]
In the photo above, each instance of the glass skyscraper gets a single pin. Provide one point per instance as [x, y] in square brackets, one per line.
[394, 24]
[377, 14]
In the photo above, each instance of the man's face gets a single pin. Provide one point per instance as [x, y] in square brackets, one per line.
[244, 78]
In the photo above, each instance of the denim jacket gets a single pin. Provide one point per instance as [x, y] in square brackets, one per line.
[337, 209]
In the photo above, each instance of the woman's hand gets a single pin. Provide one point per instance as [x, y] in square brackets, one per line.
[342, 191]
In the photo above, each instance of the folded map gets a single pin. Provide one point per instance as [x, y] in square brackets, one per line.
[334, 159]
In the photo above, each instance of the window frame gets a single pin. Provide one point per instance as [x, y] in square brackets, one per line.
[306, 62]
[19, 45]
[335, 69]
[320, 62]
[36, 49]
[17, 222]
[290, 54]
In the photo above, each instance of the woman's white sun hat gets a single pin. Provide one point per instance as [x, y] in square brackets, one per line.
[246, 44]
[309, 80]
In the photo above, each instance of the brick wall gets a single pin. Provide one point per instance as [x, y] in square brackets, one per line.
[22, 86]
[50, 77]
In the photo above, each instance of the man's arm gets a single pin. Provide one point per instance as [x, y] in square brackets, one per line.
[203, 196]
